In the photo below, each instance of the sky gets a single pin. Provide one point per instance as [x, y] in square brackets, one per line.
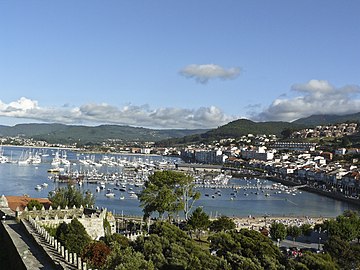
[177, 64]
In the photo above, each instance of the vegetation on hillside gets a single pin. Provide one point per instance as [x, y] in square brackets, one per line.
[84, 135]
[217, 245]
[234, 129]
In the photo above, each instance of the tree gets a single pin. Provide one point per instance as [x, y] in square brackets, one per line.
[126, 259]
[95, 254]
[198, 221]
[306, 229]
[344, 253]
[35, 203]
[168, 192]
[61, 232]
[277, 231]
[315, 261]
[71, 196]
[168, 247]
[223, 223]
[293, 231]
[76, 238]
[246, 249]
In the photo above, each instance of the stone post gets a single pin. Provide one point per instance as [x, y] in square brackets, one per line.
[84, 266]
[62, 251]
[71, 258]
[67, 255]
[75, 261]
[55, 244]
[79, 263]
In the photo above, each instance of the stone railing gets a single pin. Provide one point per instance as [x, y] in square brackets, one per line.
[71, 258]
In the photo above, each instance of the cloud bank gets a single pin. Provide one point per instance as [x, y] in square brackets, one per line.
[144, 116]
[204, 73]
[314, 97]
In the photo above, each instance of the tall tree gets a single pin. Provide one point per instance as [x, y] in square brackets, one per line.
[168, 192]
[198, 221]
[71, 196]
[293, 231]
[277, 231]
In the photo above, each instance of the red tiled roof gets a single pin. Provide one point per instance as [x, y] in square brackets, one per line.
[22, 201]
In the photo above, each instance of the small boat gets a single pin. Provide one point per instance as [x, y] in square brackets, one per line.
[97, 189]
[38, 187]
[110, 195]
[133, 196]
[44, 184]
[122, 197]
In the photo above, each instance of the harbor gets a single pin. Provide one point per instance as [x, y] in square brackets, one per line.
[220, 194]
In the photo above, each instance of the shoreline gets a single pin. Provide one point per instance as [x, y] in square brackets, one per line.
[332, 195]
[257, 223]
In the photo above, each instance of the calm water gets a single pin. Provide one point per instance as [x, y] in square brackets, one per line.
[18, 180]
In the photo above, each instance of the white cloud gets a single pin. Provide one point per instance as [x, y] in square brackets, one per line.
[144, 116]
[203, 73]
[316, 97]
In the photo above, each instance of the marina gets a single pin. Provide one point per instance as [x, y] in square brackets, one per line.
[116, 187]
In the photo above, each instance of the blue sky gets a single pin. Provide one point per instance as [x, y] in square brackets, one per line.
[177, 64]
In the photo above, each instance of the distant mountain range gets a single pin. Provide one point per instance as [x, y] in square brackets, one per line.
[59, 133]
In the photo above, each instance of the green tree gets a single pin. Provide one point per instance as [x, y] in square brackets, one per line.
[71, 196]
[76, 238]
[277, 231]
[35, 203]
[223, 223]
[345, 254]
[126, 259]
[246, 249]
[315, 261]
[61, 232]
[306, 229]
[198, 221]
[293, 231]
[168, 192]
[121, 240]
[168, 247]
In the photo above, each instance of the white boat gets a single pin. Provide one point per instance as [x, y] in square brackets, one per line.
[109, 193]
[97, 189]
[44, 184]
[38, 187]
[122, 197]
[133, 196]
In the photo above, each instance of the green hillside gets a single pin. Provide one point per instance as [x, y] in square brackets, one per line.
[327, 119]
[58, 133]
[235, 129]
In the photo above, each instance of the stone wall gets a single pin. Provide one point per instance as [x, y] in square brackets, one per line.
[93, 220]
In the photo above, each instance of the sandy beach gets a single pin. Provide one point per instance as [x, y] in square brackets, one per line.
[257, 223]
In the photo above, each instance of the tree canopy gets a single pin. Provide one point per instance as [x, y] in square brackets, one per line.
[198, 221]
[71, 196]
[168, 192]
[223, 223]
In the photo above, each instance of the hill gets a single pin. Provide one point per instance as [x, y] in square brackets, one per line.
[59, 133]
[235, 129]
[327, 119]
